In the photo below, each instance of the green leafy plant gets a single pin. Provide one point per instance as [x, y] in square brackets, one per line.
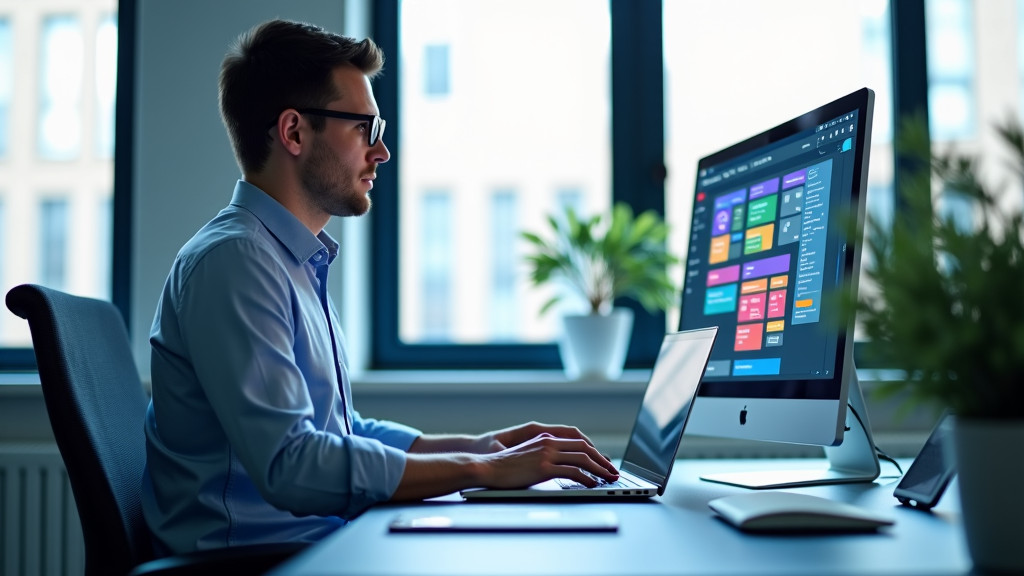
[602, 260]
[947, 302]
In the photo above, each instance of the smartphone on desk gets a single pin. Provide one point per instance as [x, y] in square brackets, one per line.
[929, 474]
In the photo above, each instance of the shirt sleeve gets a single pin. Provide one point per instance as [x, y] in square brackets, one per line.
[390, 433]
[238, 308]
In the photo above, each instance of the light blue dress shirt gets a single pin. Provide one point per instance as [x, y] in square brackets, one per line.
[248, 438]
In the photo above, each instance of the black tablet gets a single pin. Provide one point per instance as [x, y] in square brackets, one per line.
[931, 471]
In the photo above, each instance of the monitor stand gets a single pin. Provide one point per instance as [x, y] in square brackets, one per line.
[855, 460]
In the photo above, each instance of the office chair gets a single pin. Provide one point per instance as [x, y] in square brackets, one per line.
[97, 406]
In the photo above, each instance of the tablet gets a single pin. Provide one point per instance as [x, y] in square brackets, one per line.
[512, 518]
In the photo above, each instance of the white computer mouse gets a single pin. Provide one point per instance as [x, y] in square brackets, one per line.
[773, 511]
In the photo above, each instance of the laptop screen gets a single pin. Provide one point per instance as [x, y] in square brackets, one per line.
[667, 401]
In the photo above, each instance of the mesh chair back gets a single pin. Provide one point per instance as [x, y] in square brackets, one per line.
[97, 406]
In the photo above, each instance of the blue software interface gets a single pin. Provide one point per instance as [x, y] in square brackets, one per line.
[765, 251]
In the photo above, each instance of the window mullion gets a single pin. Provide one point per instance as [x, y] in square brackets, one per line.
[638, 136]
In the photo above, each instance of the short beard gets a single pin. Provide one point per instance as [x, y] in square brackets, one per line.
[329, 184]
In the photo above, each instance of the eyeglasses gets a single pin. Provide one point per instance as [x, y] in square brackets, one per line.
[376, 122]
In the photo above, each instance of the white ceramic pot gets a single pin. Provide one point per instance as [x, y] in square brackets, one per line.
[990, 467]
[594, 346]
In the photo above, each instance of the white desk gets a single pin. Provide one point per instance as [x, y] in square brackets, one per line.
[674, 534]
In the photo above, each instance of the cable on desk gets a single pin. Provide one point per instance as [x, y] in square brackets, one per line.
[878, 451]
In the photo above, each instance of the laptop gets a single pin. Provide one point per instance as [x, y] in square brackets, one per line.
[657, 430]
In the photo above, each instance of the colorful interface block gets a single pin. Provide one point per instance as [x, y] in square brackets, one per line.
[766, 256]
[762, 258]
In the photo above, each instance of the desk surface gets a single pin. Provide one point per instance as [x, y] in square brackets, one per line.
[674, 534]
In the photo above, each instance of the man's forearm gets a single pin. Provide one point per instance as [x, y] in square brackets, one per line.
[448, 443]
[430, 475]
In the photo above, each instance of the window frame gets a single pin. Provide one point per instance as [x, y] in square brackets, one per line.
[635, 37]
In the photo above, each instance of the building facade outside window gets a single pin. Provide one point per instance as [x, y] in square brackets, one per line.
[3, 225]
[505, 254]
[975, 59]
[6, 84]
[61, 69]
[106, 83]
[436, 266]
[951, 69]
[436, 70]
[57, 102]
[53, 243]
[516, 114]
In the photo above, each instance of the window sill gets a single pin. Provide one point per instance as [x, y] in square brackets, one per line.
[19, 384]
[486, 382]
[482, 382]
[492, 382]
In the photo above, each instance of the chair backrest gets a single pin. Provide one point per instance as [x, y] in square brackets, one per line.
[97, 407]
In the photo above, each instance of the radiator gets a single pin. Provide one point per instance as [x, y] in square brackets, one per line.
[40, 533]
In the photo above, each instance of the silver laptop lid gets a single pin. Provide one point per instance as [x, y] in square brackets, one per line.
[666, 405]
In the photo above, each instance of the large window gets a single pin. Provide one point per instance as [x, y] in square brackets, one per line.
[57, 101]
[567, 121]
[512, 116]
[975, 82]
[497, 99]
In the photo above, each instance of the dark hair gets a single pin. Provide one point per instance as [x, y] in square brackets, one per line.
[279, 65]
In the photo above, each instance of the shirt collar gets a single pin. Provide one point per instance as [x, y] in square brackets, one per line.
[288, 230]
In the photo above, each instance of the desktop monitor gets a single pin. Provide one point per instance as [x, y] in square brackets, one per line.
[769, 251]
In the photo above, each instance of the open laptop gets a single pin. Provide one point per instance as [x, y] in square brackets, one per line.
[657, 431]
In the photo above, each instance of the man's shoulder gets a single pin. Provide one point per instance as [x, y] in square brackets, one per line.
[235, 235]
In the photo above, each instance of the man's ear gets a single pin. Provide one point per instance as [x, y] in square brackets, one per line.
[289, 134]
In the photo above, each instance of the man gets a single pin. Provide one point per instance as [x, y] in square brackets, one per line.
[251, 434]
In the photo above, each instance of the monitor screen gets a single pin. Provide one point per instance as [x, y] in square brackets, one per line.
[769, 249]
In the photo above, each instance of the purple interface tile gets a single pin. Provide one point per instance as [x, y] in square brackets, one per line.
[724, 275]
[766, 266]
[721, 224]
[731, 199]
[764, 188]
[794, 179]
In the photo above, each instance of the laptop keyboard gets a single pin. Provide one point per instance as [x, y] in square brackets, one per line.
[622, 482]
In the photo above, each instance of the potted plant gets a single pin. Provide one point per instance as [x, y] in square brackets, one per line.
[601, 260]
[947, 307]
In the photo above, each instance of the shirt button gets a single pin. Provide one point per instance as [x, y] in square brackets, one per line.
[318, 257]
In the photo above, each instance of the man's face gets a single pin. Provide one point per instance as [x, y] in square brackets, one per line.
[338, 174]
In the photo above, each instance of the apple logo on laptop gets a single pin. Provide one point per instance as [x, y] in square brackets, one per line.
[743, 416]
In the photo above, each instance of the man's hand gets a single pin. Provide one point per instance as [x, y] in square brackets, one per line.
[544, 457]
[516, 435]
[515, 457]
[492, 441]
